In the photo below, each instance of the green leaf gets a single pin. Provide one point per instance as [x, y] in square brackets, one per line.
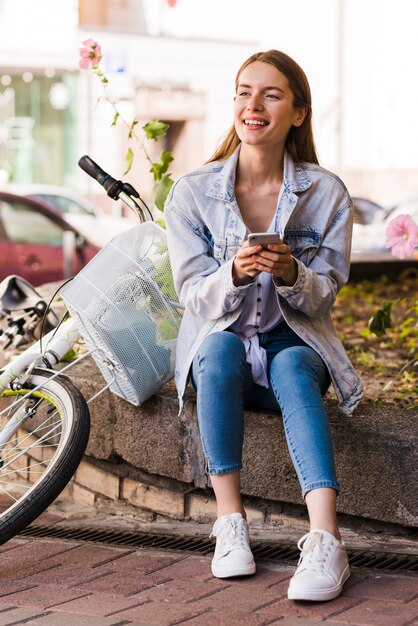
[132, 128]
[161, 189]
[115, 119]
[129, 159]
[155, 129]
[159, 169]
[69, 356]
[381, 320]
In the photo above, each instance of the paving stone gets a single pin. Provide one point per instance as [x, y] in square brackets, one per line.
[190, 568]
[143, 561]
[80, 562]
[226, 617]
[12, 614]
[99, 604]
[69, 576]
[243, 596]
[159, 613]
[385, 587]
[122, 585]
[12, 544]
[42, 596]
[37, 556]
[379, 613]
[182, 591]
[71, 619]
[7, 588]
[198, 568]
[308, 610]
[30, 554]
[301, 621]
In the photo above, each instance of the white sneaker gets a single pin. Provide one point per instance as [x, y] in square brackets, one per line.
[233, 556]
[322, 570]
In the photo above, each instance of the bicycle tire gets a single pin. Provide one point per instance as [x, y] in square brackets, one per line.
[41, 458]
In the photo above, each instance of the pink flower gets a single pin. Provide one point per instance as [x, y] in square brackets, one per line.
[90, 54]
[402, 236]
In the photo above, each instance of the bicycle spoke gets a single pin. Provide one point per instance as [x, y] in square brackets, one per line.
[30, 447]
[31, 466]
[19, 441]
[10, 495]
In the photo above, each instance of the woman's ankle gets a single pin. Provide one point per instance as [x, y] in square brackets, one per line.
[222, 511]
[328, 528]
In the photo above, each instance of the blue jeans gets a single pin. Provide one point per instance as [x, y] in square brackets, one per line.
[298, 380]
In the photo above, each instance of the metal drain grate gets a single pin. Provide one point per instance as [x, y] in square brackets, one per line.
[286, 553]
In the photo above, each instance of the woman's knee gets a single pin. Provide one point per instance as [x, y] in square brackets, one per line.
[220, 361]
[222, 344]
[299, 364]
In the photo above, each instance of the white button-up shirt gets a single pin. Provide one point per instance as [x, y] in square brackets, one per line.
[260, 314]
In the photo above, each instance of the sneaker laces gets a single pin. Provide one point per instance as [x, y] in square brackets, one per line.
[312, 555]
[233, 536]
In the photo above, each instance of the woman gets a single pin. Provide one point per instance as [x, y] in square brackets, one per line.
[257, 330]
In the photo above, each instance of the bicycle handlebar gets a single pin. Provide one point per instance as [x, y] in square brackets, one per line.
[112, 186]
[115, 189]
[92, 169]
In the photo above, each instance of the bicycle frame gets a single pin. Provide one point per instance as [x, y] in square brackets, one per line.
[57, 344]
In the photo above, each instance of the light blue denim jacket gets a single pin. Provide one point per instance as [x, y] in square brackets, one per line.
[204, 232]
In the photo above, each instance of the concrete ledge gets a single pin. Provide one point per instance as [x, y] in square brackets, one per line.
[375, 450]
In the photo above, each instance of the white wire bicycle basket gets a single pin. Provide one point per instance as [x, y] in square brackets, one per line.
[127, 311]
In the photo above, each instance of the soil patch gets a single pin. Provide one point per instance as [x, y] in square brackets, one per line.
[387, 364]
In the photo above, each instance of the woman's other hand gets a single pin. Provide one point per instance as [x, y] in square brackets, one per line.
[243, 267]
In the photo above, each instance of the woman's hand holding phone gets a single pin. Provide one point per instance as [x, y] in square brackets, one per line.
[264, 252]
[243, 265]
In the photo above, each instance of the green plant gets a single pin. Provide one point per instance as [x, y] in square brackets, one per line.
[385, 348]
[90, 57]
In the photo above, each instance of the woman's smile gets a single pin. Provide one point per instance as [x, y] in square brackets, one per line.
[255, 123]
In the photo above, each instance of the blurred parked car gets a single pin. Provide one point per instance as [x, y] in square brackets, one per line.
[98, 226]
[369, 256]
[31, 241]
[367, 211]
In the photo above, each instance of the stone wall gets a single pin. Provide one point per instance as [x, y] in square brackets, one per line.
[150, 457]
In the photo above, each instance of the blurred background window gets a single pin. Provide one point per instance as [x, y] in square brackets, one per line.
[25, 225]
[39, 126]
[120, 15]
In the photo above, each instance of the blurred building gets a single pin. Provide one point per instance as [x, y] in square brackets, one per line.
[176, 60]
[51, 112]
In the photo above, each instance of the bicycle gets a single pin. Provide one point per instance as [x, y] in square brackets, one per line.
[128, 316]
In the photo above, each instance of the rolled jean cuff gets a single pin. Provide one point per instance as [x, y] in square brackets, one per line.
[330, 484]
[217, 471]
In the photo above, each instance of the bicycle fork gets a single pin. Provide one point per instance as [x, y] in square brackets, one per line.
[15, 375]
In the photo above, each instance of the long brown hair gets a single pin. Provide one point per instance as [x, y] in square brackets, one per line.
[299, 141]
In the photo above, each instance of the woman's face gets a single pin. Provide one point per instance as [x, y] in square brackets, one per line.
[264, 111]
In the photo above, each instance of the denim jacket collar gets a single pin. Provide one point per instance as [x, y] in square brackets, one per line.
[295, 178]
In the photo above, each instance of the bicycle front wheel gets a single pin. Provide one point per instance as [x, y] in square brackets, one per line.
[38, 460]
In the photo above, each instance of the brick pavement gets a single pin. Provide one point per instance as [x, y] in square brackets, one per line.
[47, 582]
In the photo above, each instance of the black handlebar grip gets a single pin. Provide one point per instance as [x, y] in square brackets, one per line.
[95, 171]
[112, 186]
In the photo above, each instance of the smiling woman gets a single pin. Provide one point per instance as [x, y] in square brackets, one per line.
[257, 330]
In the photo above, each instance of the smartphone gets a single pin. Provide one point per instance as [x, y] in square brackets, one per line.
[263, 239]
